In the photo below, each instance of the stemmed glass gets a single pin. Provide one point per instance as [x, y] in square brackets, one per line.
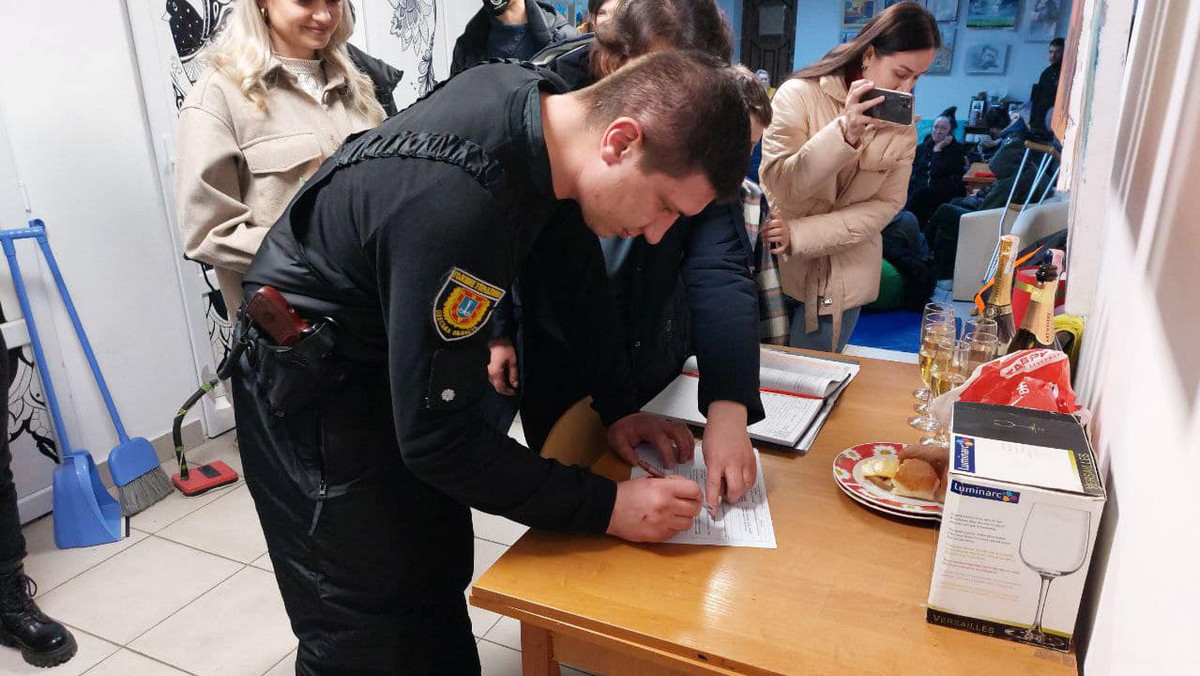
[951, 362]
[946, 310]
[984, 347]
[934, 328]
[1054, 544]
[979, 325]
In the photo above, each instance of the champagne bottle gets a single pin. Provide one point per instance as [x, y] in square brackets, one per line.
[999, 303]
[1037, 328]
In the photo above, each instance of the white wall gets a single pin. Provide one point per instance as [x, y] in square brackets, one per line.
[1140, 372]
[76, 126]
[819, 22]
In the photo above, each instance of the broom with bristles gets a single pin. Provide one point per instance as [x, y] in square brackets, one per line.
[133, 462]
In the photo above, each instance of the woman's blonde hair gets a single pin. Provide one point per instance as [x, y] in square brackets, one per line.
[242, 51]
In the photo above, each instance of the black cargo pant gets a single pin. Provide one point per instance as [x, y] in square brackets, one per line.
[371, 562]
[12, 543]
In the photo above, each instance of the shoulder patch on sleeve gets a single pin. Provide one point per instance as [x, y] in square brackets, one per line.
[464, 304]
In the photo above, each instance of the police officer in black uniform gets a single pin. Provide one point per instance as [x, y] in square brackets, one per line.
[362, 444]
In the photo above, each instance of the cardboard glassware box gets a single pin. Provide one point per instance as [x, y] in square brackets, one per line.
[1022, 510]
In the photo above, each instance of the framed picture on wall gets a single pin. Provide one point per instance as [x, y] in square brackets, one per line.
[1041, 19]
[847, 35]
[856, 13]
[992, 13]
[943, 10]
[987, 57]
[944, 58]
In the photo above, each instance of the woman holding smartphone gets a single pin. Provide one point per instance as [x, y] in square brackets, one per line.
[280, 96]
[835, 176]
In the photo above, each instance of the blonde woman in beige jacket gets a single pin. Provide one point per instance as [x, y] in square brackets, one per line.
[280, 96]
[835, 177]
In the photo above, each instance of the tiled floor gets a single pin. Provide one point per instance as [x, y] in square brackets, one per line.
[191, 591]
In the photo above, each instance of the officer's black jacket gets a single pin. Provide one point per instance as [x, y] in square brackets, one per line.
[690, 293]
[457, 187]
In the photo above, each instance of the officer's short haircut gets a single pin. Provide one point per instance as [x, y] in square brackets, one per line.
[692, 112]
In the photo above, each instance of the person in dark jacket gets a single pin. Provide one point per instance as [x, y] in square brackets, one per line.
[509, 29]
[383, 75]
[693, 292]
[1046, 91]
[362, 443]
[937, 175]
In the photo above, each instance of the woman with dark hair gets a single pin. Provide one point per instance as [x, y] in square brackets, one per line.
[648, 306]
[836, 177]
[937, 175]
[633, 28]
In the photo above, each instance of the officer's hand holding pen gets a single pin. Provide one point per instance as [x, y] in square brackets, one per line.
[654, 510]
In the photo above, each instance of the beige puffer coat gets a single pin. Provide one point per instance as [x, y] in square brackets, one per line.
[237, 168]
[835, 198]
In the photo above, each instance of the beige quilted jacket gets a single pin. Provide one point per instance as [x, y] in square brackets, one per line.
[835, 198]
[237, 168]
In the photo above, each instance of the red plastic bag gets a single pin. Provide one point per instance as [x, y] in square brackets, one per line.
[1038, 379]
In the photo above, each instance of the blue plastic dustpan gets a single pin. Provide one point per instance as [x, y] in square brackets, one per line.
[84, 512]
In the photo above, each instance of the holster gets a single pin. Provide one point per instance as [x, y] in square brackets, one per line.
[293, 378]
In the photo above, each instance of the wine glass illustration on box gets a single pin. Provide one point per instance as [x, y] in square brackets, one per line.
[1054, 544]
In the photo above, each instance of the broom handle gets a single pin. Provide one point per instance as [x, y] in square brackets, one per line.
[83, 341]
[10, 252]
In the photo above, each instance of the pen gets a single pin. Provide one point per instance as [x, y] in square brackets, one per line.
[658, 474]
[651, 470]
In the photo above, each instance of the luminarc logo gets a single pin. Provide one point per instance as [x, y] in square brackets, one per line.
[984, 492]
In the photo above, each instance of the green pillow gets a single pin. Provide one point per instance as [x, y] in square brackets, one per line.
[891, 290]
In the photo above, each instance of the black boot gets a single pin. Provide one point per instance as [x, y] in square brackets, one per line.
[43, 642]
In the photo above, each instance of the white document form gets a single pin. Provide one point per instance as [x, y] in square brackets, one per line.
[745, 524]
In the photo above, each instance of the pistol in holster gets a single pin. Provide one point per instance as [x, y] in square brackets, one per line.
[291, 376]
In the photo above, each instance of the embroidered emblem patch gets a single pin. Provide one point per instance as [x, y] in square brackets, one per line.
[463, 305]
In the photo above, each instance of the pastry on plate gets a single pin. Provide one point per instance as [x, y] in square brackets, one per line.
[937, 456]
[880, 469]
[916, 479]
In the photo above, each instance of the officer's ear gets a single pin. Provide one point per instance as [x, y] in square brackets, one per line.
[622, 140]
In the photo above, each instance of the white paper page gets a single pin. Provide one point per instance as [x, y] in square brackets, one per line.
[1032, 465]
[786, 417]
[814, 429]
[745, 524]
[678, 400]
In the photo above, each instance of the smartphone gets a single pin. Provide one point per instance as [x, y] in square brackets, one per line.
[896, 106]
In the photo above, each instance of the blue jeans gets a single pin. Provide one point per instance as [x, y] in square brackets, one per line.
[822, 338]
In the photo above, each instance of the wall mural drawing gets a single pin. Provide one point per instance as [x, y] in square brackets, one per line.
[29, 420]
[415, 22]
[191, 31]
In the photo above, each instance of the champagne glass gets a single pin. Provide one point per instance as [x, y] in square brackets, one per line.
[1054, 544]
[984, 348]
[941, 343]
[979, 325]
[946, 310]
[934, 326]
[949, 370]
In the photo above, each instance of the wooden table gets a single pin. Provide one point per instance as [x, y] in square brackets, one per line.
[843, 594]
[978, 176]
